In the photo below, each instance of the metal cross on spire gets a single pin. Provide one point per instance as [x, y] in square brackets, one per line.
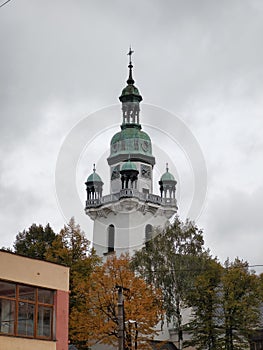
[130, 54]
[130, 80]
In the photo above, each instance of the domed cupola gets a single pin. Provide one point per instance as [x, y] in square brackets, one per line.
[131, 140]
[167, 184]
[94, 186]
[129, 175]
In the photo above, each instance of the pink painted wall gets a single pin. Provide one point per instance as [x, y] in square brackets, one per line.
[62, 315]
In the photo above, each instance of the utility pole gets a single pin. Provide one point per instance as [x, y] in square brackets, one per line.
[120, 318]
[121, 321]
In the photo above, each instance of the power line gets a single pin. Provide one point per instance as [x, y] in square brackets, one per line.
[191, 269]
[4, 3]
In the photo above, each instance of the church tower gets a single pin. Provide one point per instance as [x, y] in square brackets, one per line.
[123, 219]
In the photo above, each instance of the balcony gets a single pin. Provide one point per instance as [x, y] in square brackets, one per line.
[131, 193]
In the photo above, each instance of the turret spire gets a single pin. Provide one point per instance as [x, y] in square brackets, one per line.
[130, 99]
[130, 80]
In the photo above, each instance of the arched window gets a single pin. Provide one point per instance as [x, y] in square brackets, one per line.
[111, 238]
[148, 233]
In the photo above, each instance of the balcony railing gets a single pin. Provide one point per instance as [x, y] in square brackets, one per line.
[130, 193]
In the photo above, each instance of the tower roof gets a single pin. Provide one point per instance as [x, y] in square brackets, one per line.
[130, 133]
[131, 139]
[130, 94]
[94, 177]
[167, 176]
[128, 166]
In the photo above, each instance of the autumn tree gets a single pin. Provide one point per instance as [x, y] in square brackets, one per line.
[94, 317]
[171, 260]
[35, 241]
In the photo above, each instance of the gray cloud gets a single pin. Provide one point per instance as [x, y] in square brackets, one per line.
[62, 60]
[234, 224]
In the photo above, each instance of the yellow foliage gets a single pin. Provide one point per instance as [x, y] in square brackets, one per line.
[94, 318]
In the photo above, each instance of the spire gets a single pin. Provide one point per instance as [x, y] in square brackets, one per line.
[130, 80]
[130, 93]
[167, 169]
[130, 99]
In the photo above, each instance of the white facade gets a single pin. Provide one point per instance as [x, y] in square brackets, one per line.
[123, 219]
[131, 218]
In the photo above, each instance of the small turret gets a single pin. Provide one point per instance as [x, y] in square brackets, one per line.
[129, 175]
[167, 185]
[94, 186]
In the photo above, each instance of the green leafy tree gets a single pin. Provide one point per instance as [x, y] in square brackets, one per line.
[171, 260]
[206, 300]
[241, 300]
[71, 248]
[35, 241]
[226, 306]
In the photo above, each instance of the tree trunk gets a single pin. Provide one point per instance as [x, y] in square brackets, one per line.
[179, 323]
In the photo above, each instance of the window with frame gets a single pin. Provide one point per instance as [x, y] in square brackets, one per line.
[148, 233]
[111, 238]
[26, 311]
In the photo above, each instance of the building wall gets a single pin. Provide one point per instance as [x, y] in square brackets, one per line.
[62, 315]
[19, 269]
[35, 272]
[12, 343]
[130, 224]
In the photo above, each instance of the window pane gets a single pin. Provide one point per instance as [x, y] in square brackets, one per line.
[7, 316]
[45, 296]
[26, 319]
[27, 293]
[7, 289]
[44, 325]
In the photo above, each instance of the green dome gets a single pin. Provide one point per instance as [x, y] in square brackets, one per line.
[128, 166]
[130, 141]
[167, 177]
[130, 133]
[132, 92]
[94, 177]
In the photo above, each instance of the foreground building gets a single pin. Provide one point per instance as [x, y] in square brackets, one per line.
[34, 298]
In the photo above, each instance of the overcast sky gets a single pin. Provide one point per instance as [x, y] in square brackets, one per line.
[201, 60]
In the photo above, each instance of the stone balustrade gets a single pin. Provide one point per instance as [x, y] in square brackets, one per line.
[130, 193]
